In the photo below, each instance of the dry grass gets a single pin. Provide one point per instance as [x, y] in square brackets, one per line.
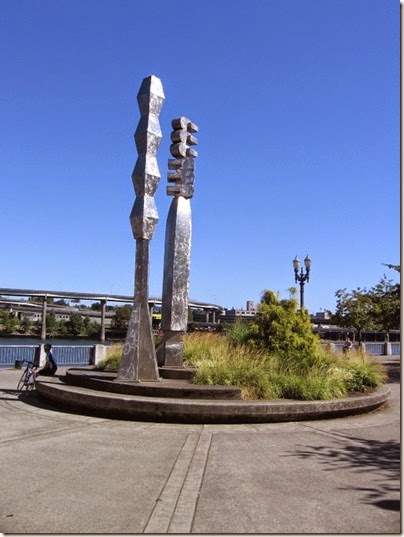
[261, 376]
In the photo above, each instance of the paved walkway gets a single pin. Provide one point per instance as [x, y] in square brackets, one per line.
[67, 473]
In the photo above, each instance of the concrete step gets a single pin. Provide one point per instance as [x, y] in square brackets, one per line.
[186, 373]
[166, 387]
[169, 409]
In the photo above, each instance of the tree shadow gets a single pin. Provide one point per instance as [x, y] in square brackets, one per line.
[379, 459]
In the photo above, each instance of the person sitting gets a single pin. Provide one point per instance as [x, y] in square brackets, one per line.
[347, 346]
[50, 367]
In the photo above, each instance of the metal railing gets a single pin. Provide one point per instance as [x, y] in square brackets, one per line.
[374, 349]
[9, 354]
[64, 355]
[85, 354]
[72, 355]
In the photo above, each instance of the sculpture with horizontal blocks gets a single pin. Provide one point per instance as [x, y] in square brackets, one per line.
[177, 255]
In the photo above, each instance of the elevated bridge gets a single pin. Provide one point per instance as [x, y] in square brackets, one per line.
[211, 310]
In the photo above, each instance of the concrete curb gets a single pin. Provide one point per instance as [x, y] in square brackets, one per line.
[177, 410]
[168, 387]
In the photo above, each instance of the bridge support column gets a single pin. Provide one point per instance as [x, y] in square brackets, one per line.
[43, 327]
[103, 310]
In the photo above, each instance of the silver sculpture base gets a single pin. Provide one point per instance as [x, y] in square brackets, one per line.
[170, 350]
[139, 362]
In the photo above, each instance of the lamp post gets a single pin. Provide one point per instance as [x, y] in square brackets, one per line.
[302, 278]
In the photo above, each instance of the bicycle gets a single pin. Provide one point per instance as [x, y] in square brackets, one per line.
[27, 379]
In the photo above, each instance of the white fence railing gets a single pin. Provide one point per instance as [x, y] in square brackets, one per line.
[374, 349]
[64, 355]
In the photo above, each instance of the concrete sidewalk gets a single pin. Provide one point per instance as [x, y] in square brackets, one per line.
[67, 473]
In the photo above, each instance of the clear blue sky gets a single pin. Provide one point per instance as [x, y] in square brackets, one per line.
[297, 104]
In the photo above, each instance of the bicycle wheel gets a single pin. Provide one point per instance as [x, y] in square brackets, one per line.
[21, 382]
[31, 382]
[29, 387]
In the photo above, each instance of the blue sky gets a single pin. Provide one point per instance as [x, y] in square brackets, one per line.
[297, 105]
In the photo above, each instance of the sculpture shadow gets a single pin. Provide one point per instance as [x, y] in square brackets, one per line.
[379, 459]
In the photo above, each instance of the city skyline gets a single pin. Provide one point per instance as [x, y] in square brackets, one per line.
[298, 108]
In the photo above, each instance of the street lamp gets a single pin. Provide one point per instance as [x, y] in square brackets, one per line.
[302, 278]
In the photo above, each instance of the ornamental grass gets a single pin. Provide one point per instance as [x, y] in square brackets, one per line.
[113, 359]
[317, 376]
[219, 360]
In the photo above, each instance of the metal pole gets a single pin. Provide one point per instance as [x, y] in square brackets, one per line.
[301, 295]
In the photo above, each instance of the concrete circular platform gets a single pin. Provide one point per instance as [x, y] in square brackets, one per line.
[159, 404]
[167, 387]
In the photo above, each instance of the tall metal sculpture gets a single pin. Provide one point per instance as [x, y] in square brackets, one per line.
[139, 357]
[174, 314]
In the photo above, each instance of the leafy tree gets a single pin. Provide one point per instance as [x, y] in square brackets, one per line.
[26, 325]
[63, 328]
[120, 320]
[386, 303]
[376, 309]
[281, 328]
[397, 268]
[91, 328]
[292, 292]
[8, 321]
[61, 302]
[39, 299]
[355, 310]
[75, 324]
[51, 324]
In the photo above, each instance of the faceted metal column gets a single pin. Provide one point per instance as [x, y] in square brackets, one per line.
[174, 314]
[139, 357]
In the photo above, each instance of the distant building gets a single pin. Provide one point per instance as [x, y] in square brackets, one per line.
[233, 315]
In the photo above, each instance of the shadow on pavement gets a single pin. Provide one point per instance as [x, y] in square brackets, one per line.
[29, 398]
[380, 458]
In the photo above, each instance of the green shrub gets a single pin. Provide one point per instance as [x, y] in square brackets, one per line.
[281, 329]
